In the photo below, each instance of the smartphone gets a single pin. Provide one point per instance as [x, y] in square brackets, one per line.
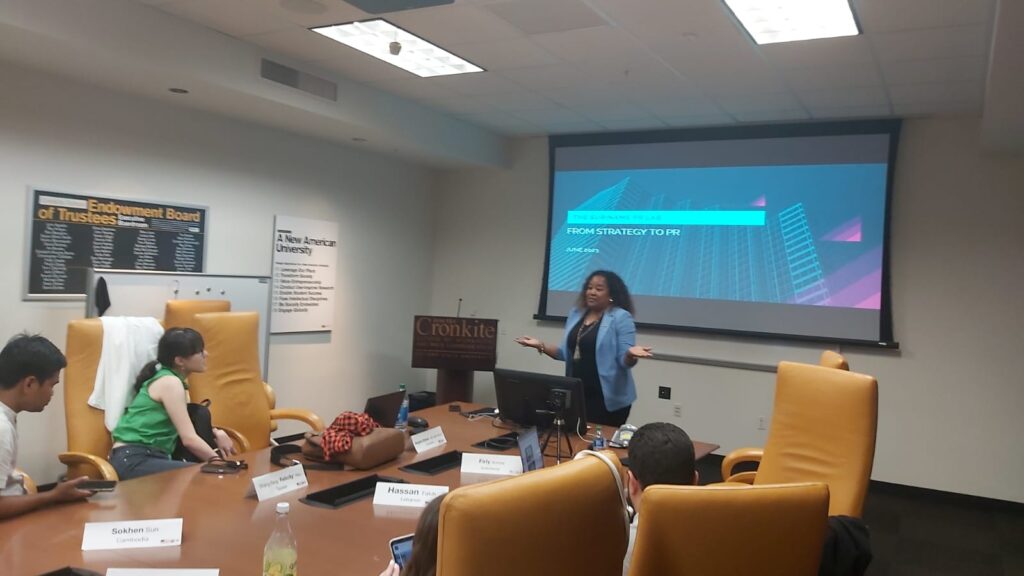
[434, 465]
[401, 550]
[98, 485]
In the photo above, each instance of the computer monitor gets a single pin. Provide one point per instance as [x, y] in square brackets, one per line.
[532, 399]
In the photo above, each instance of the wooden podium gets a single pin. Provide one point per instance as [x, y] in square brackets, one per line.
[456, 347]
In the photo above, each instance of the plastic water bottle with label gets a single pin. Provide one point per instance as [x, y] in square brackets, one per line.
[281, 554]
[403, 412]
[598, 439]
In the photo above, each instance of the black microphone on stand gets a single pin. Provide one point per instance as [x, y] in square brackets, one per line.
[458, 311]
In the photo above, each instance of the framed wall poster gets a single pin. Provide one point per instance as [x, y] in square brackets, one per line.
[70, 234]
[305, 274]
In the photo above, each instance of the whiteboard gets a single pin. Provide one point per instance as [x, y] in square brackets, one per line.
[134, 293]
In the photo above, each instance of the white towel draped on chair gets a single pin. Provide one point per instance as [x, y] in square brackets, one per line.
[128, 344]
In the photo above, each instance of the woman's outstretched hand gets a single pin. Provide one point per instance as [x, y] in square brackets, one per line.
[641, 352]
[529, 342]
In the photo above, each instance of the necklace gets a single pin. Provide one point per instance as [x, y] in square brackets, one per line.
[583, 330]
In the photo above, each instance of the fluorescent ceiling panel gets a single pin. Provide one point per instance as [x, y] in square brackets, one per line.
[773, 21]
[378, 37]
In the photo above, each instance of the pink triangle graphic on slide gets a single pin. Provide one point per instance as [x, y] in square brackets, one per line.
[760, 201]
[849, 231]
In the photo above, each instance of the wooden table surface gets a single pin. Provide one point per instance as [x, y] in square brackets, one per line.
[225, 529]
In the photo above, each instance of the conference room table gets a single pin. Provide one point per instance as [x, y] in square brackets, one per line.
[224, 528]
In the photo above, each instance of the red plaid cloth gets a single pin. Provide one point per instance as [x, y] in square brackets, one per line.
[337, 439]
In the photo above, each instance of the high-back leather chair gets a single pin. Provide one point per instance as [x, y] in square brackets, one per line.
[823, 430]
[830, 359]
[770, 530]
[567, 519]
[232, 381]
[88, 439]
[182, 313]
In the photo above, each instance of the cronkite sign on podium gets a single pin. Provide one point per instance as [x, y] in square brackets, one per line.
[456, 347]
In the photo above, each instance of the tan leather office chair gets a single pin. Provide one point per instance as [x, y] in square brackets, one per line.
[89, 440]
[232, 381]
[26, 481]
[182, 313]
[823, 430]
[771, 530]
[566, 519]
[830, 359]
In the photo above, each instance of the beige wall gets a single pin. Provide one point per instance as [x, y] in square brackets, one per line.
[949, 411]
[75, 138]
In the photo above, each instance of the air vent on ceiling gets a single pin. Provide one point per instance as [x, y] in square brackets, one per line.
[298, 79]
[382, 6]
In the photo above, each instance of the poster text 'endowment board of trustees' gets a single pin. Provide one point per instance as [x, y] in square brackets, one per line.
[71, 233]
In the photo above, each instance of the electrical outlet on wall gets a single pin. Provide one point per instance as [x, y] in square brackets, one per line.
[677, 410]
[761, 425]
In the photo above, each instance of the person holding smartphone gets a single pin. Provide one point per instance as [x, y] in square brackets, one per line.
[29, 369]
[148, 432]
[423, 561]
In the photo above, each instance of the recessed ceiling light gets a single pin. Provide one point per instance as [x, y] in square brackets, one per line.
[772, 21]
[382, 39]
[177, 90]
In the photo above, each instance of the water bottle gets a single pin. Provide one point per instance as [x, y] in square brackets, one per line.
[280, 555]
[403, 412]
[598, 439]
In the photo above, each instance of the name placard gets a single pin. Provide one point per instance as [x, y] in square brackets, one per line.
[428, 439]
[132, 534]
[491, 464]
[279, 482]
[163, 572]
[412, 495]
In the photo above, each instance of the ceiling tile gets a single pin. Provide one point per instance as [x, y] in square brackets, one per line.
[754, 102]
[831, 77]
[414, 87]
[823, 52]
[572, 127]
[502, 55]
[454, 24]
[362, 68]
[771, 115]
[503, 124]
[516, 100]
[932, 43]
[908, 94]
[475, 84]
[699, 120]
[232, 17]
[862, 97]
[661, 20]
[925, 71]
[543, 117]
[891, 15]
[750, 81]
[602, 43]
[544, 79]
[633, 124]
[460, 105]
[300, 44]
[937, 108]
[310, 13]
[612, 111]
[670, 107]
[543, 16]
[831, 113]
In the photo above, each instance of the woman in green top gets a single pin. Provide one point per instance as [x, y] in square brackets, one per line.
[157, 417]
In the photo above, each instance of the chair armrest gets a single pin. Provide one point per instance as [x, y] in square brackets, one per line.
[241, 442]
[26, 481]
[312, 420]
[272, 400]
[736, 457]
[102, 467]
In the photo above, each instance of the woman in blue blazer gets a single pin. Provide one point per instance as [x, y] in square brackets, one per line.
[599, 347]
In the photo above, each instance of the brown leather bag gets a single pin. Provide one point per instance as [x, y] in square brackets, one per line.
[380, 446]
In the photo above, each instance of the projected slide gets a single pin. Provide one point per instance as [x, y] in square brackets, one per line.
[806, 234]
[762, 230]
